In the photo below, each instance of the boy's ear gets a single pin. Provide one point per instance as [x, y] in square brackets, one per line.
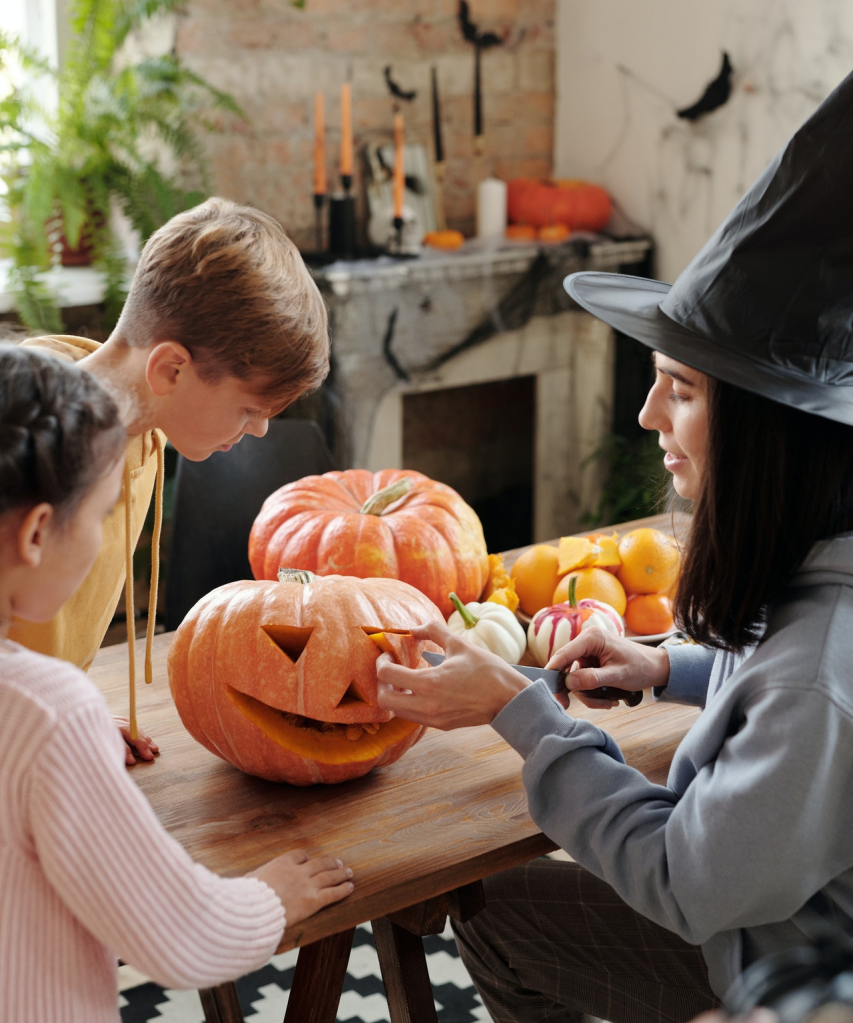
[166, 361]
[33, 532]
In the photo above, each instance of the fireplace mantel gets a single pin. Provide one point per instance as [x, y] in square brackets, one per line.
[480, 314]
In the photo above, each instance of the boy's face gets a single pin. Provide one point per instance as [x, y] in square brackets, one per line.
[200, 417]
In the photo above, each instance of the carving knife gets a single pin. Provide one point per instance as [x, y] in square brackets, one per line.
[556, 681]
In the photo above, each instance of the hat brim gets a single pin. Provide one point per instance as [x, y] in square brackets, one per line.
[631, 305]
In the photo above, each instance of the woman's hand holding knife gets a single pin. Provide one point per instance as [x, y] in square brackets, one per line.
[471, 686]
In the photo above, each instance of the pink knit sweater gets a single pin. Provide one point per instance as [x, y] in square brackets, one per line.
[88, 875]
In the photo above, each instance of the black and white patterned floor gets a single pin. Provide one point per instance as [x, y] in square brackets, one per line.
[263, 994]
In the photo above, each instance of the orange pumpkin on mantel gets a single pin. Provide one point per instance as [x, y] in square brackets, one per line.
[279, 678]
[395, 524]
[579, 205]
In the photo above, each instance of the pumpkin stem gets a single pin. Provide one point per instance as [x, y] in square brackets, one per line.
[573, 591]
[295, 575]
[377, 504]
[466, 616]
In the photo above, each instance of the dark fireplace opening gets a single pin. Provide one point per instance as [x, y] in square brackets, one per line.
[480, 440]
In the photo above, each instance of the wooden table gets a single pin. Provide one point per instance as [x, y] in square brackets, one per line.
[419, 834]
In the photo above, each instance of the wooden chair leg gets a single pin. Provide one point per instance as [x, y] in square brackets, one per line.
[221, 1005]
[319, 980]
[404, 973]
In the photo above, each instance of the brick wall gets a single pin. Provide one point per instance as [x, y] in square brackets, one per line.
[272, 58]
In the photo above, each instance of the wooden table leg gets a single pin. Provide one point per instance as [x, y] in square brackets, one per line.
[319, 980]
[400, 947]
[321, 967]
[404, 973]
[221, 1005]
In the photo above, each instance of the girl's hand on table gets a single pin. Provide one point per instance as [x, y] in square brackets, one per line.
[601, 659]
[303, 884]
[144, 746]
[470, 687]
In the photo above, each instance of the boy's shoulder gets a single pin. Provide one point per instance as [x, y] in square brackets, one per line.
[52, 687]
[68, 347]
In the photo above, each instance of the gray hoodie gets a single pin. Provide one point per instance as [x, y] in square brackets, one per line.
[755, 820]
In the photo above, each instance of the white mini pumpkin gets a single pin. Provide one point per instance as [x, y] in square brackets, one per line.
[490, 626]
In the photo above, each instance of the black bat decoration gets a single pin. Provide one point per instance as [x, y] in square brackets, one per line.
[395, 89]
[715, 94]
[470, 34]
[411, 183]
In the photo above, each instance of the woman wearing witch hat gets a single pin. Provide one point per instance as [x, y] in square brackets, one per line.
[675, 889]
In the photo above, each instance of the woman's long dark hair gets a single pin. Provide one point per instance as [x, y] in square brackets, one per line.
[777, 481]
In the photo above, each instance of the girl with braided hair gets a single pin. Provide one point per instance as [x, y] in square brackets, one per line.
[68, 884]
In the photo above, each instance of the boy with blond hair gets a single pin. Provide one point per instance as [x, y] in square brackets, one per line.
[222, 329]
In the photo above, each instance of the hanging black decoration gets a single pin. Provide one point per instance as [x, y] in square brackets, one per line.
[715, 95]
[470, 33]
[395, 90]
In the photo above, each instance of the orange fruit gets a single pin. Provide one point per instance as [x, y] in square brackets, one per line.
[535, 574]
[649, 613]
[650, 561]
[596, 550]
[609, 546]
[575, 552]
[594, 584]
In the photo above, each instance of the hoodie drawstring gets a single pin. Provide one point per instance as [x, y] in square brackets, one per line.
[155, 556]
[155, 579]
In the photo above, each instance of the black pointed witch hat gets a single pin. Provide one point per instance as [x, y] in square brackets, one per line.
[767, 304]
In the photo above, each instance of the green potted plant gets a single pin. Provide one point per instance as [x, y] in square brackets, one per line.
[116, 128]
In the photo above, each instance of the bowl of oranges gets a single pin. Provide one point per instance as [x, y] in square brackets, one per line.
[636, 574]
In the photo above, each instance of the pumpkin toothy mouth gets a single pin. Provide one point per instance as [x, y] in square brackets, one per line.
[324, 741]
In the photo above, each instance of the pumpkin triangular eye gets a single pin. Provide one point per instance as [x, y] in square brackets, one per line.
[350, 697]
[289, 639]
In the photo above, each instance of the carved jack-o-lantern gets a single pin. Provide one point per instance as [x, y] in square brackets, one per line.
[279, 678]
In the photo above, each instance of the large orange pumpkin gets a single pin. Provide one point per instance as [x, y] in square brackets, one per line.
[279, 678]
[393, 524]
[579, 205]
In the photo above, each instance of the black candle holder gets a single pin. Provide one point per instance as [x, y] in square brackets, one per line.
[342, 226]
[319, 200]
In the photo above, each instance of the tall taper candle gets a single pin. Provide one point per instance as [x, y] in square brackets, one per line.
[399, 167]
[319, 146]
[478, 95]
[436, 120]
[346, 130]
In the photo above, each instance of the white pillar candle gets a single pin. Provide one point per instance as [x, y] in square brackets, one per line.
[491, 208]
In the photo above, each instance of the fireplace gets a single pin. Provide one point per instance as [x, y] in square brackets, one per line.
[487, 338]
[480, 440]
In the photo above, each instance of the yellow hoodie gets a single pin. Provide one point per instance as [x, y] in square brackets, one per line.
[76, 633]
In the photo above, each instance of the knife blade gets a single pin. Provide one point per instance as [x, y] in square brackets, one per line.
[556, 681]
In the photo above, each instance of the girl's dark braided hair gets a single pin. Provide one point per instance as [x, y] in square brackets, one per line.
[59, 431]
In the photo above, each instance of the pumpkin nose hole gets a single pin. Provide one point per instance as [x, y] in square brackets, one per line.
[289, 639]
[351, 697]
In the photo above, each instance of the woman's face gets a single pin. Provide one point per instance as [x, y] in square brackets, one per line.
[677, 407]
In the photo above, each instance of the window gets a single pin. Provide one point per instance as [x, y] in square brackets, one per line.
[34, 22]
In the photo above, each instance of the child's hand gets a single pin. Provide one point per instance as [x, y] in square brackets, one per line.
[305, 885]
[144, 747]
